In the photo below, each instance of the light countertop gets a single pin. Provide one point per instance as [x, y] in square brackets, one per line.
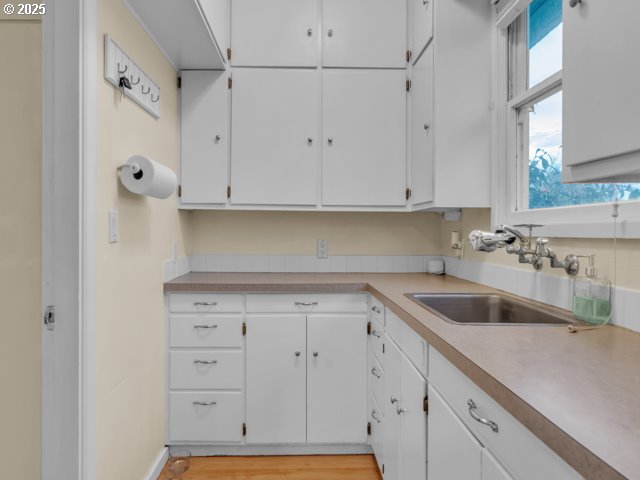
[579, 393]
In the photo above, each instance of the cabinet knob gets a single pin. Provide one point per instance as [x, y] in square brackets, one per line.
[394, 400]
[309, 32]
[218, 138]
[426, 127]
[400, 411]
[297, 353]
[310, 141]
[330, 141]
[425, 2]
[315, 354]
[330, 33]
[574, 3]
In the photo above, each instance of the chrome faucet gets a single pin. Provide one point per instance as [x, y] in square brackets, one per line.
[505, 236]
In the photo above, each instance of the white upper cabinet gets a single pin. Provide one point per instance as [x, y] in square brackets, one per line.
[364, 33]
[421, 25]
[216, 13]
[601, 103]
[336, 383]
[275, 137]
[205, 137]
[422, 129]
[274, 33]
[364, 144]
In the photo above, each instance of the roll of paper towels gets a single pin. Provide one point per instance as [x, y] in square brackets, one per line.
[143, 176]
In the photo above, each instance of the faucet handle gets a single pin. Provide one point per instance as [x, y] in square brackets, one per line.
[529, 226]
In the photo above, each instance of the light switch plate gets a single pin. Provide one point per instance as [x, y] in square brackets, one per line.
[114, 228]
[323, 248]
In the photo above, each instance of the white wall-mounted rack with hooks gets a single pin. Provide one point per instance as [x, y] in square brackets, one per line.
[117, 64]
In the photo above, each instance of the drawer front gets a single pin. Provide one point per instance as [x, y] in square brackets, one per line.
[205, 331]
[205, 303]
[377, 433]
[205, 369]
[205, 417]
[376, 342]
[519, 450]
[376, 379]
[413, 345]
[307, 303]
[376, 310]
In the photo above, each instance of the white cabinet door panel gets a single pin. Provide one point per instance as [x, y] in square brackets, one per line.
[205, 369]
[601, 74]
[413, 442]
[217, 14]
[205, 331]
[377, 432]
[276, 379]
[422, 25]
[336, 379]
[274, 33]
[391, 425]
[364, 33]
[422, 129]
[275, 114]
[453, 451]
[491, 469]
[205, 136]
[205, 417]
[364, 147]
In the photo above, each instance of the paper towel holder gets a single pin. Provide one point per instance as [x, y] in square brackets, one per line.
[135, 167]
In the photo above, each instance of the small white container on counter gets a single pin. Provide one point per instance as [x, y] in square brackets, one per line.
[435, 267]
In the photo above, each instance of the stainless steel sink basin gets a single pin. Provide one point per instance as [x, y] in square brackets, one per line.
[488, 309]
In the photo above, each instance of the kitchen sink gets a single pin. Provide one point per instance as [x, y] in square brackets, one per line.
[488, 309]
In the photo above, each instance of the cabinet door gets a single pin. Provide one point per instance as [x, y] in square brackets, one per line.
[364, 149]
[422, 129]
[413, 432]
[422, 25]
[275, 126]
[364, 33]
[491, 468]
[276, 379]
[453, 451]
[391, 425]
[601, 74]
[277, 33]
[204, 159]
[217, 14]
[337, 379]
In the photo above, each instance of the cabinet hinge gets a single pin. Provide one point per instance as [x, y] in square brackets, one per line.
[50, 317]
[228, 191]
[244, 429]
[408, 85]
[383, 468]
[228, 54]
[408, 193]
[179, 190]
[425, 405]
[244, 329]
[383, 348]
[229, 82]
[409, 54]
[179, 82]
[368, 328]
[369, 428]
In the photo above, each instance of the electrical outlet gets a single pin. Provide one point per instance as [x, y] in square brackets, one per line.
[114, 228]
[323, 248]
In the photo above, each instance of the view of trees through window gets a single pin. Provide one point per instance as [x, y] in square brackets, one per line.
[546, 189]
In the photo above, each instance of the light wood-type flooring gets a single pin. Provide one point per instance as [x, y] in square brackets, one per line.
[321, 467]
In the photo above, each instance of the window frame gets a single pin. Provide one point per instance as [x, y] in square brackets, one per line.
[580, 221]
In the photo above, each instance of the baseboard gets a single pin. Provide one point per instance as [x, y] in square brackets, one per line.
[261, 450]
[158, 465]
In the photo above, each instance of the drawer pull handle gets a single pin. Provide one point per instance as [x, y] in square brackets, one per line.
[205, 362]
[375, 309]
[400, 411]
[306, 304]
[204, 404]
[472, 411]
[375, 333]
[205, 304]
[374, 372]
[394, 400]
[206, 326]
[374, 415]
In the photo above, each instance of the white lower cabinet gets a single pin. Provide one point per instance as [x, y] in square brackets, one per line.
[205, 417]
[276, 379]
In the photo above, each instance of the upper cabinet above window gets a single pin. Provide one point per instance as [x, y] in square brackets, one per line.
[601, 81]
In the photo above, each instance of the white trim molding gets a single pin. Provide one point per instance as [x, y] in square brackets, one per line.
[158, 464]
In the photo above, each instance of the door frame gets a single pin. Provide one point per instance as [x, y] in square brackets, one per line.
[69, 239]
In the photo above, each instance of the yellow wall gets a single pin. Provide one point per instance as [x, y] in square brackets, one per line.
[628, 250]
[20, 260]
[130, 310]
[296, 233]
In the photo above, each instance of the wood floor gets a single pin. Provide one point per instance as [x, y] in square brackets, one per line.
[321, 467]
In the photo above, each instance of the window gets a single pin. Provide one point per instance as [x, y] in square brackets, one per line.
[535, 116]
